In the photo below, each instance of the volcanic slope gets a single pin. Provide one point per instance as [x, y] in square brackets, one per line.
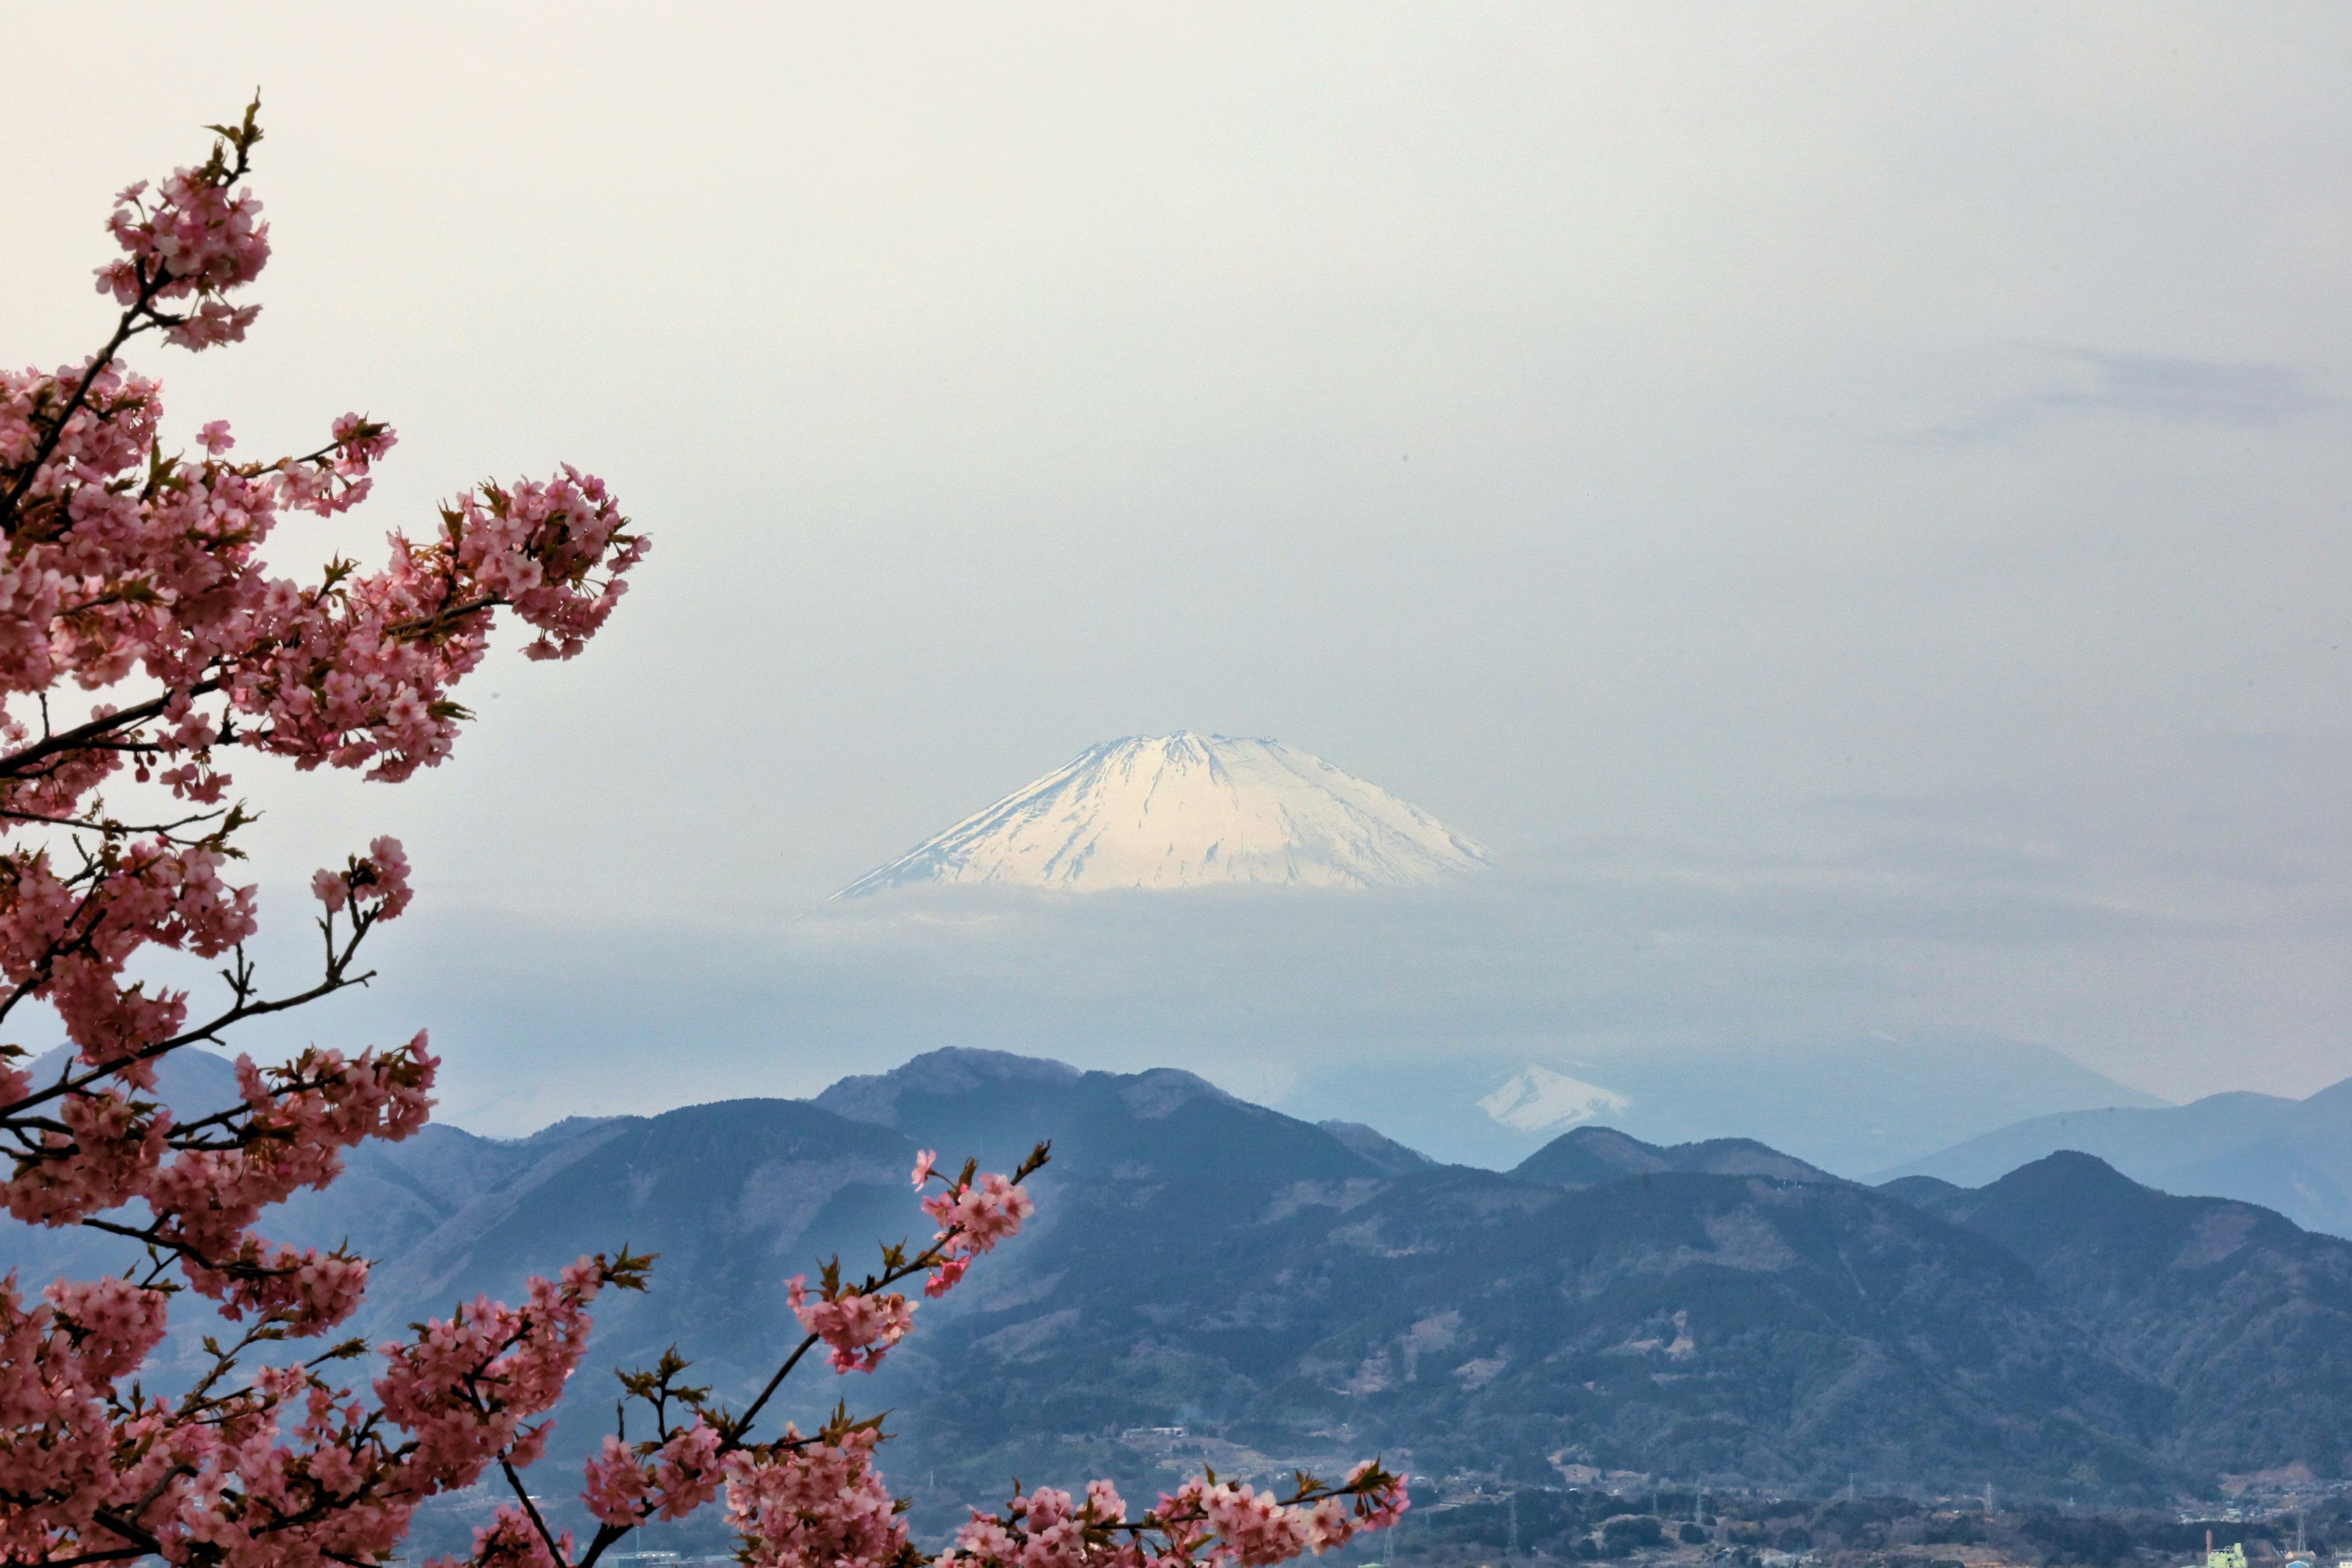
[1187, 810]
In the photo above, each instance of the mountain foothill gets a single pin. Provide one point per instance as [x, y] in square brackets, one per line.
[1209, 1279]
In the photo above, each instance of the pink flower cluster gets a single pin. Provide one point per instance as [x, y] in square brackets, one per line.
[192, 238]
[538, 547]
[1252, 1528]
[69, 936]
[857, 1328]
[815, 1505]
[377, 880]
[1205, 1523]
[135, 575]
[124, 561]
[972, 1217]
[859, 1323]
[1049, 1529]
[512, 1541]
[626, 1487]
[286, 1469]
[471, 1387]
[295, 1122]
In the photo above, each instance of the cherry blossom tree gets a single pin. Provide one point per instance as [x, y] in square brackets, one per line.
[138, 576]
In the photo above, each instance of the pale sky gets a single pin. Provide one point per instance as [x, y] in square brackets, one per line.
[1850, 502]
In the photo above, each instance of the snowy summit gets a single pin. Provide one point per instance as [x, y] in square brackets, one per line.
[1537, 1099]
[1184, 811]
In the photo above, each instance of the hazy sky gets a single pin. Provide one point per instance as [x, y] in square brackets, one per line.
[1850, 502]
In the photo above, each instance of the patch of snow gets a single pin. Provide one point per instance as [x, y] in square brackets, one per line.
[1536, 1099]
[1186, 810]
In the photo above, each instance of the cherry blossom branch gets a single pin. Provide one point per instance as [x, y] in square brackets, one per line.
[421, 625]
[942, 1252]
[101, 729]
[123, 559]
[782, 1479]
[142, 1541]
[108, 827]
[121, 1554]
[124, 331]
[197, 1398]
[531, 1509]
[151, 1235]
[139, 315]
[337, 978]
[16, 764]
[43, 969]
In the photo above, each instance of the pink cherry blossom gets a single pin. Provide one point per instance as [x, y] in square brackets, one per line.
[856, 1329]
[688, 1471]
[139, 579]
[818, 1505]
[1204, 1522]
[972, 1217]
[616, 1486]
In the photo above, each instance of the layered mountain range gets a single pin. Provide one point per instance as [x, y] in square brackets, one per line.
[1290, 1293]
[2293, 1155]
[1853, 1106]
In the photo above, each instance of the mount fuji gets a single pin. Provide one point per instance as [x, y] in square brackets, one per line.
[1184, 811]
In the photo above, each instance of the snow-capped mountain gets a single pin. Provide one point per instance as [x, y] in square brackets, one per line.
[1537, 1099]
[1186, 810]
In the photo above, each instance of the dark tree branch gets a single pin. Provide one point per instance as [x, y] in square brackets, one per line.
[98, 732]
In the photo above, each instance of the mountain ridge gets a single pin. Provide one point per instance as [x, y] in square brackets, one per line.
[2291, 1155]
[1296, 1294]
[1853, 1106]
[2205, 1296]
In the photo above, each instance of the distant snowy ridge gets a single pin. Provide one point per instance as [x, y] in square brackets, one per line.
[1537, 1099]
[1184, 811]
